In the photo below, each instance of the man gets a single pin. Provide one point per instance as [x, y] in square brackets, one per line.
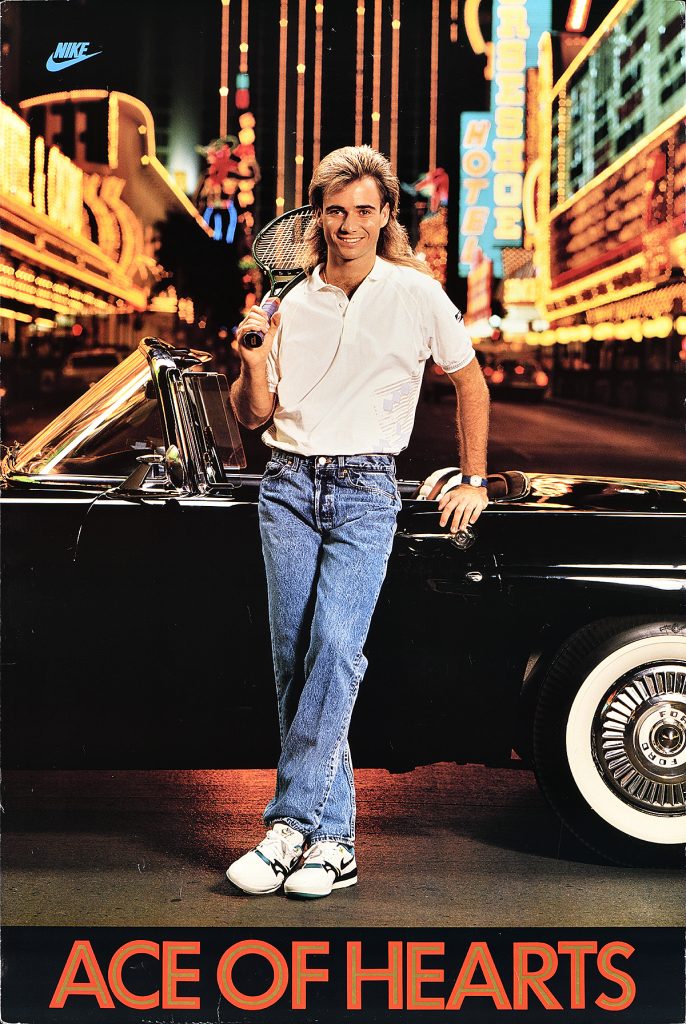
[340, 371]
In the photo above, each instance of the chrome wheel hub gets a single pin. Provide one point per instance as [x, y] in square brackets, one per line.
[639, 737]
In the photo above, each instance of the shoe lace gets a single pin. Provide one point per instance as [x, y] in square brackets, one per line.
[276, 844]
[321, 850]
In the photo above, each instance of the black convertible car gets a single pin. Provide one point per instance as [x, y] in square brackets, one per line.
[134, 611]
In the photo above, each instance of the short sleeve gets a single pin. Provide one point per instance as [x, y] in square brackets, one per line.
[450, 344]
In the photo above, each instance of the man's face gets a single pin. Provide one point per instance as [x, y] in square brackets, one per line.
[352, 219]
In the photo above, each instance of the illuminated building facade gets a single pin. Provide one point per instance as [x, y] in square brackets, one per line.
[322, 74]
[78, 237]
[610, 219]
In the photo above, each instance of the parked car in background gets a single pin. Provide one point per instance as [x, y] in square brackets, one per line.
[84, 368]
[517, 375]
[136, 628]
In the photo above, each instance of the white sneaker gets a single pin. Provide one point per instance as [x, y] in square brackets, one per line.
[326, 865]
[264, 869]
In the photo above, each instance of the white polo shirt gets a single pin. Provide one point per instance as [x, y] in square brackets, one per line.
[347, 372]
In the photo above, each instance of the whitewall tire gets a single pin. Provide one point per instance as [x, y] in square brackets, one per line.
[610, 739]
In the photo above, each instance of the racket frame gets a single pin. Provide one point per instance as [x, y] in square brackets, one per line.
[281, 279]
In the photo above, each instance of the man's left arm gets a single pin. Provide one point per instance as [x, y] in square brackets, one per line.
[464, 504]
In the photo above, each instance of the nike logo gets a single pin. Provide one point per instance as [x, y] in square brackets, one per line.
[65, 55]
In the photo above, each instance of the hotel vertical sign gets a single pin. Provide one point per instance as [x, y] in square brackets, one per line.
[492, 143]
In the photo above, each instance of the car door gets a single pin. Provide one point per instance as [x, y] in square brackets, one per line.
[440, 683]
[176, 628]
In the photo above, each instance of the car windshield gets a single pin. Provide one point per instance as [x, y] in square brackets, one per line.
[103, 432]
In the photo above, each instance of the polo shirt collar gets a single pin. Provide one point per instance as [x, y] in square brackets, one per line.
[381, 269]
[316, 279]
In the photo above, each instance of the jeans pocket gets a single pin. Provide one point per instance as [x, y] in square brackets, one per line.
[274, 469]
[380, 482]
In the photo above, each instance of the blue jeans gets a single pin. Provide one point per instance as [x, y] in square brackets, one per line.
[327, 527]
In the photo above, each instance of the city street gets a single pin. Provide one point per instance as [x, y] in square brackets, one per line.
[553, 438]
[442, 846]
[545, 437]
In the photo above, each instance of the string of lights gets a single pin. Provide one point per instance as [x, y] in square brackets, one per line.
[317, 115]
[359, 73]
[433, 95]
[39, 181]
[281, 120]
[243, 47]
[395, 81]
[376, 74]
[300, 102]
[224, 71]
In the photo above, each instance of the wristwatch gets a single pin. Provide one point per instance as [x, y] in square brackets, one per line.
[475, 481]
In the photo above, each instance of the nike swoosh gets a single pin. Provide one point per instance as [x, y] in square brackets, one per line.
[53, 65]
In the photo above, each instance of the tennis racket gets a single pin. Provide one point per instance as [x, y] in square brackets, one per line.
[279, 251]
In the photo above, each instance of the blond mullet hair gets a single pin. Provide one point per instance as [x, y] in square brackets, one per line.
[341, 168]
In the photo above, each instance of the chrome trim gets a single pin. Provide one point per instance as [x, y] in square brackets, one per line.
[63, 479]
[639, 738]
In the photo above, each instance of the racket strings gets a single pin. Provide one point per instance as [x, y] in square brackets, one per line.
[282, 244]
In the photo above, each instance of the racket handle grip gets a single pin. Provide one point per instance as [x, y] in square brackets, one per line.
[253, 339]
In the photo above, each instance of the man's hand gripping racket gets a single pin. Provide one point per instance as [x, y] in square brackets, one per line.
[279, 251]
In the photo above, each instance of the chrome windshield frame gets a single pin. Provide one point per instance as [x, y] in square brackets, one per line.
[158, 362]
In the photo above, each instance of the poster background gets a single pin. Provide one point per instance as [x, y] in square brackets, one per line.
[25, 978]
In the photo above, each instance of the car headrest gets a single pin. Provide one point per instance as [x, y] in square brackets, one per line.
[501, 486]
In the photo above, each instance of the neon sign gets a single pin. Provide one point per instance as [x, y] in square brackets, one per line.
[492, 143]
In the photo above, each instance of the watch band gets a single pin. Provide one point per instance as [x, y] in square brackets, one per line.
[475, 481]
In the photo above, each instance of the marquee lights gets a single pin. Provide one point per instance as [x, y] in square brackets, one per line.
[577, 17]
[317, 100]
[39, 180]
[12, 314]
[224, 71]
[395, 82]
[676, 118]
[113, 130]
[433, 91]
[359, 75]
[281, 117]
[453, 21]
[14, 155]
[601, 300]
[65, 192]
[132, 242]
[140, 110]
[634, 329]
[376, 74]
[617, 11]
[105, 221]
[300, 103]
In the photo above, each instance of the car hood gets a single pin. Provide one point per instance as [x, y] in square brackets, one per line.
[603, 494]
